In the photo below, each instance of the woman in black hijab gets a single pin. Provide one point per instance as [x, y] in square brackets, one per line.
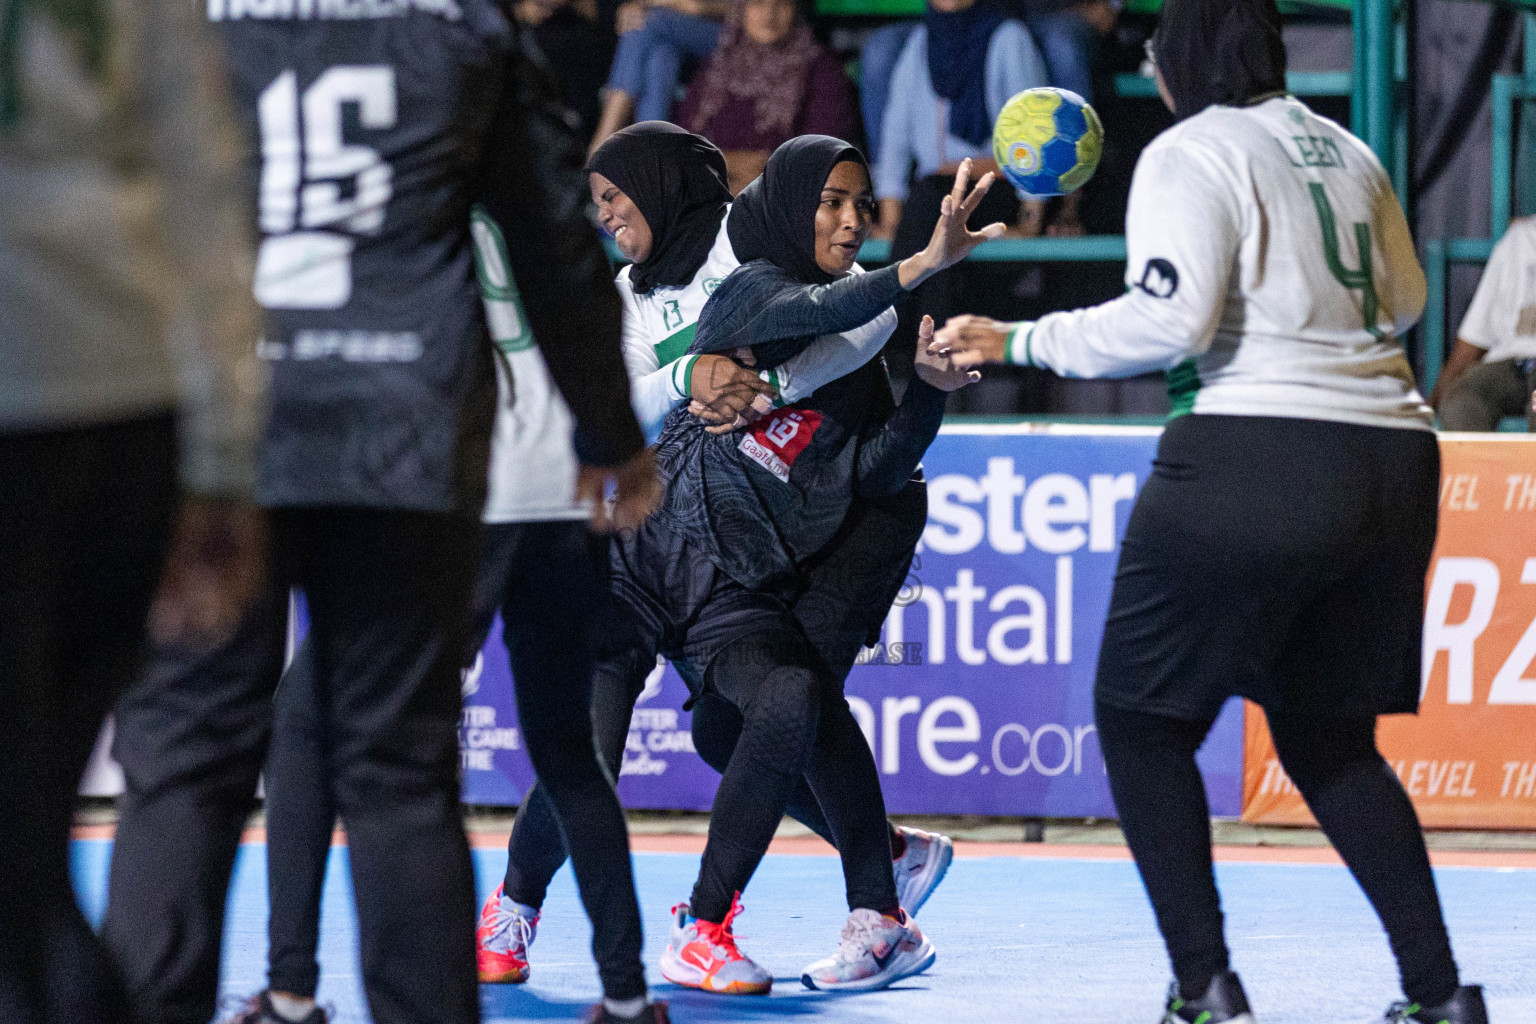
[678, 180]
[1308, 601]
[749, 519]
[668, 204]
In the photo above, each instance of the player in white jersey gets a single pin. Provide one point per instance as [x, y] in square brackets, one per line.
[1279, 549]
[673, 228]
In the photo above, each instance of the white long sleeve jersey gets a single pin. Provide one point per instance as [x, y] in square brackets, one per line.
[1269, 271]
[533, 463]
[659, 327]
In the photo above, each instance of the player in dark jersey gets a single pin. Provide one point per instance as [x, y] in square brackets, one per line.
[748, 515]
[379, 127]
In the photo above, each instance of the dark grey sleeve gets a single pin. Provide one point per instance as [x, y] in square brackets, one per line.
[889, 458]
[777, 316]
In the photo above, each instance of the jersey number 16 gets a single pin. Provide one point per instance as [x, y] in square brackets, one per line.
[308, 222]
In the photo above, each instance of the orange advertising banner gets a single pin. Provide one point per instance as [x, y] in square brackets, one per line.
[1468, 758]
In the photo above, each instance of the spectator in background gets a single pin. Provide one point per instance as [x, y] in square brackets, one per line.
[767, 82]
[955, 73]
[1068, 32]
[577, 51]
[953, 76]
[877, 63]
[1492, 372]
[654, 37]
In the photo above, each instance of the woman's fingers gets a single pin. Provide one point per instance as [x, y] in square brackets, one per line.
[978, 193]
[991, 231]
[962, 179]
[925, 331]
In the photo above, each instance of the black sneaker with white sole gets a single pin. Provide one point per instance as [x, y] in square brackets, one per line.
[258, 1009]
[652, 1013]
[1223, 1001]
[1466, 1006]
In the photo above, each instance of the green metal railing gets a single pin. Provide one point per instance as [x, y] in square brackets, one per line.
[1440, 253]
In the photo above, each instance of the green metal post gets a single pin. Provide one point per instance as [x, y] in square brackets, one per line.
[1358, 71]
[1379, 38]
[1434, 312]
[1501, 194]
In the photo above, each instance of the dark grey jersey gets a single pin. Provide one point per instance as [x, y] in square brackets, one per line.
[376, 121]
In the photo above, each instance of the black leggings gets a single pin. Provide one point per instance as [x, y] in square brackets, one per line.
[546, 578]
[849, 591]
[1354, 795]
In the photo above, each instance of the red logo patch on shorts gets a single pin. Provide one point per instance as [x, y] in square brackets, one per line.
[774, 443]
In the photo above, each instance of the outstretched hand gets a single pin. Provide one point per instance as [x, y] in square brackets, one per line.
[972, 340]
[938, 370]
[952, 241]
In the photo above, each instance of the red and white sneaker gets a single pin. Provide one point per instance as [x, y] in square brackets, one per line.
[875, 951]
[502, 938]
[703, 955]
[922, 867]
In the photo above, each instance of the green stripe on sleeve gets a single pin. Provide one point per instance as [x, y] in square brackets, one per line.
[675, 345]
[682, 374]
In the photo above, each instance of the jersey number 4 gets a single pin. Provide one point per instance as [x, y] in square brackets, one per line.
[308, 220]
[1362, 279]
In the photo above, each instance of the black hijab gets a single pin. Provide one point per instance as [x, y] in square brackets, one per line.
[677, 180]
[1219, 51]
[774, 218]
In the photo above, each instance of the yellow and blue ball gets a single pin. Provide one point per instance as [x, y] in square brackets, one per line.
[1047, 141]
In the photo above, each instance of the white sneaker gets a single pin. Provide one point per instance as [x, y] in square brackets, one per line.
[703, 955]
[875, 951]
[922, 867]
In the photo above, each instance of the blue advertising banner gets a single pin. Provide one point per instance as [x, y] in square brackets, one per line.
[979, 698]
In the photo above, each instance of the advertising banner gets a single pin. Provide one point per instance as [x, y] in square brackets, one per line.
[979, 698]
[1468, 758]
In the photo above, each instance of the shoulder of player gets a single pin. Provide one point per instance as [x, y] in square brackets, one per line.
[1199, 141]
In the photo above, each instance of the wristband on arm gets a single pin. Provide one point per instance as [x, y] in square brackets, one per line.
[1018, 350]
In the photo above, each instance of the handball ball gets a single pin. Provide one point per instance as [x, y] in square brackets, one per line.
[1047, 141]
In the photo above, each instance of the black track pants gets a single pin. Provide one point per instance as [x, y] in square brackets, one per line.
[1351, 791]
[546, 579]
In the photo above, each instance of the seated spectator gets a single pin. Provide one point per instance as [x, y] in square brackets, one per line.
[1068, 32]
[955, 73]
[1492, 372]
[953, 76]
[877, 62]
[768, 82]
[576, 49]
[654, 37]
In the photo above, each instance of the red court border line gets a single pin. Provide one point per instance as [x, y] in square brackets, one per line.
[813, 847]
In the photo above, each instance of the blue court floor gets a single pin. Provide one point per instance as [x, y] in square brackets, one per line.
[1019, 941]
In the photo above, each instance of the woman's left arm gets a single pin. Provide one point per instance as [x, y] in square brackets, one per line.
[1183, 228]
[761, 307]
[889, 458]
[1406, 289]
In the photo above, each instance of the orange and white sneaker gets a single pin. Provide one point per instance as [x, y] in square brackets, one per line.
[875, 951]
[703, 955]
[502, 938]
